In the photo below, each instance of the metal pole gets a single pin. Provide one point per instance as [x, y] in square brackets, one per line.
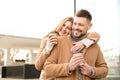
[74, 7]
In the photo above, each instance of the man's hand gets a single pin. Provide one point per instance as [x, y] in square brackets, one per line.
[85, 69]
[75, 62]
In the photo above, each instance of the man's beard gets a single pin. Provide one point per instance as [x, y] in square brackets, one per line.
[77, 38]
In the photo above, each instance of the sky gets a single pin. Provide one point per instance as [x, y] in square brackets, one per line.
[32, 18]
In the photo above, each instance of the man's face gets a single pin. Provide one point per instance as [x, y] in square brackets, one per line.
[80, 26]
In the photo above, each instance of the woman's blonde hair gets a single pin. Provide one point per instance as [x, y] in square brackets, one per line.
[60, 25]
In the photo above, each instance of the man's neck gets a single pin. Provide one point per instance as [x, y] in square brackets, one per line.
[76, 39]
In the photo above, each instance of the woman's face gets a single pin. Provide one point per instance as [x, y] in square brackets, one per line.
[66, 28]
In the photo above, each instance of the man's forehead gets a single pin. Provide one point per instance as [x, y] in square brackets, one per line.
[76, 18]
[79, 18]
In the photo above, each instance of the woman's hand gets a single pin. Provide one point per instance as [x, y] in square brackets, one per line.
[77, 46]
[52, 38]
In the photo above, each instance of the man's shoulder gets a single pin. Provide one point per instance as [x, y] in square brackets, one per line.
[64, 40]
[95, 46]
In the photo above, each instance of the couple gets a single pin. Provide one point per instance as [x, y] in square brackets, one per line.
[65, 61]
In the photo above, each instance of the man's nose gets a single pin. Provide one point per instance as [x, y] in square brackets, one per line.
[76, 27]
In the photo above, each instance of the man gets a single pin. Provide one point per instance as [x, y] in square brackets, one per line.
[62, 64]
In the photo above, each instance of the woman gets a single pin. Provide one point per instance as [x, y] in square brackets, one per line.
[63, 29]
[47, 43]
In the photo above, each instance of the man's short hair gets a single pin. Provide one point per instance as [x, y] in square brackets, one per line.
[84, 13]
